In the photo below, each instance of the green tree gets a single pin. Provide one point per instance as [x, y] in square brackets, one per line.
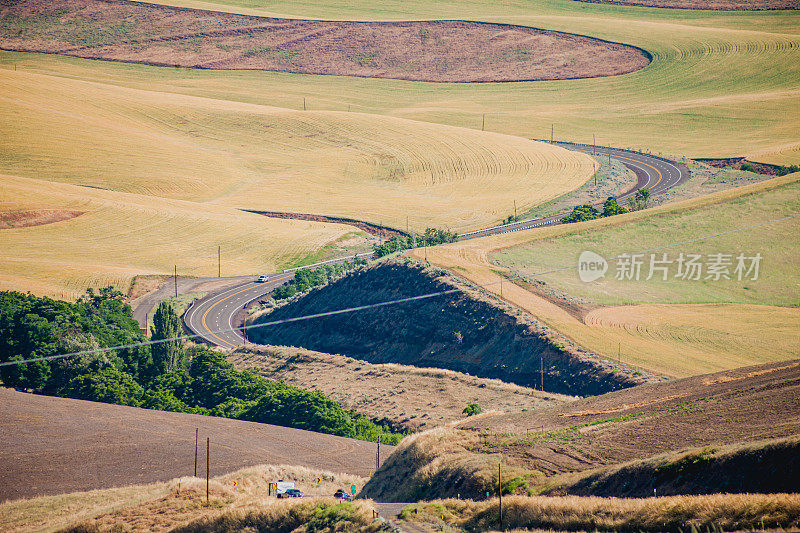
[107, 385]
[168, 354]
[641, 198]
[611, 208]
[581, 213]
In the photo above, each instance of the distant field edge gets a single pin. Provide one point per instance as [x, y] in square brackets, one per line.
[438, 51]
[702, 5]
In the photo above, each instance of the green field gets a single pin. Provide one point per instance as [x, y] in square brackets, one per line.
[720, 84]
[776, 284]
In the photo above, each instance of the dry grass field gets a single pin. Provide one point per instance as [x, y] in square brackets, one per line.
[380, 169]
[543, 449]
[166, 505]
[679, 339]
[413, 398]
[122, 235]
[720, 84]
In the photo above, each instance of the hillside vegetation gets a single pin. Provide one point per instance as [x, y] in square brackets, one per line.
[465, 331]
[694, 435]
[409, 397]
[385, 170]
[697, 338]
[166, 376]
[720, 84]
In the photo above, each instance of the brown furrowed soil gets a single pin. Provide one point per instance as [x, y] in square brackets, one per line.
[54, 445]
[26, 219]
[719, 5]
[406, 396]
[440, 51]
[748, 404]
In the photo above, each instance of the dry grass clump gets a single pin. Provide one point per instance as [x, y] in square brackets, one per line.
[726, 512]
[293, 516]
[435, 463]
[182, 501]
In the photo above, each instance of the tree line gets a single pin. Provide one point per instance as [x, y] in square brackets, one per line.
[165, 376]
[431, 237]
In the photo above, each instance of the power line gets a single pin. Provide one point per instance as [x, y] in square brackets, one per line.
[368, 306]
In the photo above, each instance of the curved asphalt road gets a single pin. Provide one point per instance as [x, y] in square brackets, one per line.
[655, 173]
[211, 316]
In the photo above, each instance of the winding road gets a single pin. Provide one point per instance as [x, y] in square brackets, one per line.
[215, 316]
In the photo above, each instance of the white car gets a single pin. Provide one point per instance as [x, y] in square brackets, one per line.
[262, 279]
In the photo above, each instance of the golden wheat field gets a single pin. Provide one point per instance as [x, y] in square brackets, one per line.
[121, 235]
[380, 169]
[677, 340]
[721, 84]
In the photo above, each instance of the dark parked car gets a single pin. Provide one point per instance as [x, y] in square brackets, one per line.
[294, 493]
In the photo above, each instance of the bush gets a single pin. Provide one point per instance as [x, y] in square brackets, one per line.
[581, 213]
[472, 409]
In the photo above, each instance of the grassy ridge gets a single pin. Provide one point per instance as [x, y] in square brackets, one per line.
[698, 338]
[721, 84]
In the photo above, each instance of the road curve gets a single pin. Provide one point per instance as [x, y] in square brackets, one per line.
[215, 316]
[655, 173]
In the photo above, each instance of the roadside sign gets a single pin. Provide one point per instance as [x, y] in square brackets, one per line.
[352, 489]
[319, 480]
[234, 483]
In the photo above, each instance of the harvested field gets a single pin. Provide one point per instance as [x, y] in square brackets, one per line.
[122, 235]
[383, 170]
[39, 217]
[406, 396]
[441, 51]
[54, 445]
[717, 5]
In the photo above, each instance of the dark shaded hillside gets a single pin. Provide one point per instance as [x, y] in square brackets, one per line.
[465, 331]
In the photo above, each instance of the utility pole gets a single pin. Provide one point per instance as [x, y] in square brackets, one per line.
[208, 463]
[541, 371]
[196, 433]
[483, 121]
[219, 261]
[175, 276]
[515, 209]
[378, 456]
[304, 103]
[500, 490]
[552, 127]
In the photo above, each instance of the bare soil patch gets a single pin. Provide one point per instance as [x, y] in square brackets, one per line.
[54, 445]
[25, 219]
[409, 397]
[743, 405]
[440, 51]
[715, 5]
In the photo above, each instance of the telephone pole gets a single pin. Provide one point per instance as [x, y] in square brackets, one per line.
[304, 103]
[175, 277]
[483, 121]
[208, 463]
[196, 433]
[378, 456]
[552, 127]
[500, 490]
[541, 371]
[515, 209]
